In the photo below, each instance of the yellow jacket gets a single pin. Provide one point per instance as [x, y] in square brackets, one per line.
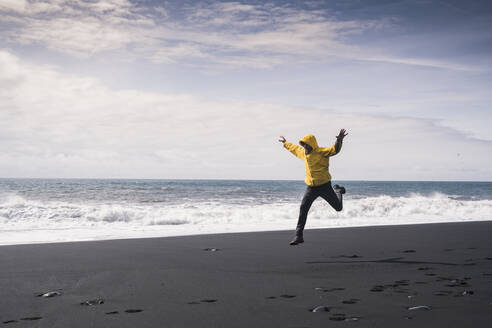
[316, 162]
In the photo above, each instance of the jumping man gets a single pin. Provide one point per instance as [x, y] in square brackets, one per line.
[318, 179]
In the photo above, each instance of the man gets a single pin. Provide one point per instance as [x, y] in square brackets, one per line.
[318, 179]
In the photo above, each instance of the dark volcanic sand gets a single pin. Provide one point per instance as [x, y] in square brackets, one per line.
[355, 277]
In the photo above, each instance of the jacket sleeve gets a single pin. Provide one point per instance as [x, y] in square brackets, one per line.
[330, 151]
[298, 151]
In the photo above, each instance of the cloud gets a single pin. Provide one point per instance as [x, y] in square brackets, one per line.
[220, 34]
[58, 125]
[13, 5]
[424, 63]
[79, 28]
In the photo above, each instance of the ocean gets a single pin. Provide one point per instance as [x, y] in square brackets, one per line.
[58, 210]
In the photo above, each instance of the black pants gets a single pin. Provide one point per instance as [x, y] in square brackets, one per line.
[334, 198]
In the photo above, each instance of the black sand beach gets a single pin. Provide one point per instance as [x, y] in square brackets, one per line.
[357, 277]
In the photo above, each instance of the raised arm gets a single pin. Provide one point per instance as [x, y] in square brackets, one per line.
[335, 149]
[338, 143]
[298, 151]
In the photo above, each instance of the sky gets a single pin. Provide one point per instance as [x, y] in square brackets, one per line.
[202, 89]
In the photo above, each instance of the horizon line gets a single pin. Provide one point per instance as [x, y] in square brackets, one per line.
[224, 179]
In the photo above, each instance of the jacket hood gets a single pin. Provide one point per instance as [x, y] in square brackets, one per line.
[310, 140]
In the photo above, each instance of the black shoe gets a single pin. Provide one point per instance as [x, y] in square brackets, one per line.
[297, 240]
[339, 188]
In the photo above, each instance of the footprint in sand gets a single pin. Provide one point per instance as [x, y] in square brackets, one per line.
[338, 317]
[31, 318]
[401, 283]
[283, 296]
[325, 289]
[211, 249]
[396, 287]
[457, 283]
[351, 301]
[126, 311]
[208, 300]
[334, 316]
[424, 268]
[377, 288]
[112, 312]
[443, 293]
[355, 256]
[133, 310]
[24, 319]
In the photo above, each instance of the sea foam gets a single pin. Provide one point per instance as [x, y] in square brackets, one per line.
[32, 221]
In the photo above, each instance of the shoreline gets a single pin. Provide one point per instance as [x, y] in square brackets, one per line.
[361, 276]
[192, 234]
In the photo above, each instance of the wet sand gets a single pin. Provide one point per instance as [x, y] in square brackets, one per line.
[350, 277]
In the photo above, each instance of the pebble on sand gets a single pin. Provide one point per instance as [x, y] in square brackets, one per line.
[321, 308]
[352, 319]
[419, 307]
[49, 294]
[93, 302]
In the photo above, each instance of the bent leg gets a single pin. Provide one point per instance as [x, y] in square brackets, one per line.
[333, 197]
[309, 196]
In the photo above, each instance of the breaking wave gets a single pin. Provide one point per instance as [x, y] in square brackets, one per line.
[23, 220]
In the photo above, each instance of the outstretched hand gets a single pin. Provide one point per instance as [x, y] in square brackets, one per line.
[341, 135]
[282, 139]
